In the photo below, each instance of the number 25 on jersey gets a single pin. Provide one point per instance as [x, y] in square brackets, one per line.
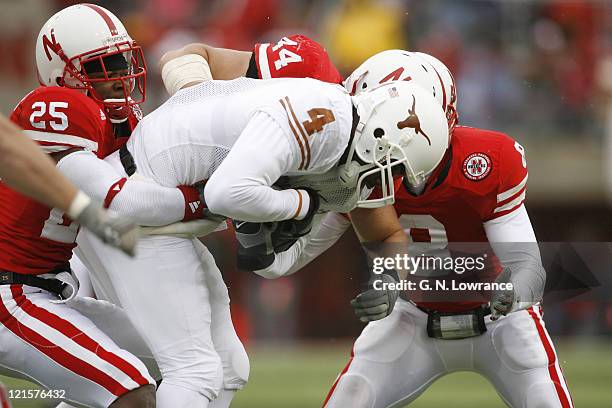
[57, 118]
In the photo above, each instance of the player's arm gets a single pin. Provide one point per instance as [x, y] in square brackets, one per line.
[242, 187]
[223, 63]
[380, 226]
[514, 243]
[144, 202]
[511, 235]
[295, 56]
[325, 233]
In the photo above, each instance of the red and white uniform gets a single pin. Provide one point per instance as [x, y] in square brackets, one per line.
[295, 56]
[51, 343]
[34, 238]
[486, 179]
[477, 196]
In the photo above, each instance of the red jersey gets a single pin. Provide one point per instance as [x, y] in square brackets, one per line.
[34, 238]
[484, 178]
[296, 56]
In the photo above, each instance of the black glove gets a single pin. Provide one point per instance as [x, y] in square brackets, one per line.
[287, 232]
[375, 304]
[255, 250]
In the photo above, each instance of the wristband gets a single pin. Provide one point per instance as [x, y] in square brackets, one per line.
[78, 204]
[194, 206]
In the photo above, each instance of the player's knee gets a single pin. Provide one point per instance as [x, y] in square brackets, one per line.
[352, 391]
[203, 375]
[142, 397]
[236, 368]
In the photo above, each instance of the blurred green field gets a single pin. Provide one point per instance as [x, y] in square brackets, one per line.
[299, 377]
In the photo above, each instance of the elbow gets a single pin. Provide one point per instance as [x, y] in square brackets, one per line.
[194, 48]
[220, 196]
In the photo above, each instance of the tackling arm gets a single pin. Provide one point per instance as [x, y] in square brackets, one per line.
[514, 243]
[195, 63]
[146, 203]
[325, 233]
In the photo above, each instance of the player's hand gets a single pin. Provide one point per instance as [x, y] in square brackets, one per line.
[288, 232]
[255, 249]
[373, 304]
[111, 229]
[502, 301]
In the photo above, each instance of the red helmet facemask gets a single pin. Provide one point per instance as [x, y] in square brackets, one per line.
[109, 64]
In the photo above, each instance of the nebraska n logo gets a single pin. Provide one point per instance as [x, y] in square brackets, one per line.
[413, 121]
[51, 44]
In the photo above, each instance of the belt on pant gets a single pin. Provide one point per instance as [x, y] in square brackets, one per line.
[52, 285]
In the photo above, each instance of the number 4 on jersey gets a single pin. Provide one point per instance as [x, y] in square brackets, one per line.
[318, 118]
[286, 57]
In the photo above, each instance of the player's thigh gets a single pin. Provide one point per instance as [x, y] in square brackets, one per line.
[227, 344]
[57, 347]
[392, 360]
[163, 290]
[518, 357]
[115, 323]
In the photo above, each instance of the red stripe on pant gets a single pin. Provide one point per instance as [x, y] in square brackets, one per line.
[55, 352]
[344, 370]
[4, 401]
[552, 360]
[79, 337]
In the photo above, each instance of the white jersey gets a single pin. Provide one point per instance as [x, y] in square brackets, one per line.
[286, 127]
[185, 140]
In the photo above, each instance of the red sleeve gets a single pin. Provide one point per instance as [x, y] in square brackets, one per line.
[296, 56]
[60, 119]
[511, 179]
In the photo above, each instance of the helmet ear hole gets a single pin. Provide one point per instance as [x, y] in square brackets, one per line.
[364, 85]
[378, 133]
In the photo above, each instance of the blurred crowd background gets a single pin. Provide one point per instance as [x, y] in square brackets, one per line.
[540, 70]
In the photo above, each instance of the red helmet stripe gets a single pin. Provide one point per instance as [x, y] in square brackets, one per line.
[109, 21]
[443, 90]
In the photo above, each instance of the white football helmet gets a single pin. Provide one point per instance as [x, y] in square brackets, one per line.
[83, 37]
[417, 67]
[400, 124]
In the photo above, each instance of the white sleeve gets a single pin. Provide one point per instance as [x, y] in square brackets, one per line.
[146, 203]
[241, 188]
[514, 243]
[324, 234]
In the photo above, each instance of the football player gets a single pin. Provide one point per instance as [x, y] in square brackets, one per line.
[242, 136]
[27, 169]
[476, 194]
[88, 67]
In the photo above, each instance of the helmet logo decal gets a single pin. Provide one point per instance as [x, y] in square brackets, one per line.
[395, 76]
[51, 44]
[413, 122]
